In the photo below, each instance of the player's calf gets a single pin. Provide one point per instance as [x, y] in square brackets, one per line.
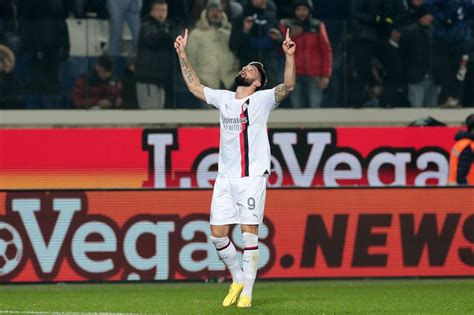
[250, 264]
[226, 251]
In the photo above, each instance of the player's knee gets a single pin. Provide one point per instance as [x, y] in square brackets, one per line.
[246, 228]
[250, 240]
[220, 242]
[219, 230]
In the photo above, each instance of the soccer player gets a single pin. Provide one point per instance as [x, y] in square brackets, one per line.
[244, 160]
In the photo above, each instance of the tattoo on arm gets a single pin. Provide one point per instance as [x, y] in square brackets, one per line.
[281, 92]
[187, 70]
[190, 78]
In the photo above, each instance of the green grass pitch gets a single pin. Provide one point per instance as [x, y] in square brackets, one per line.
[436, 296]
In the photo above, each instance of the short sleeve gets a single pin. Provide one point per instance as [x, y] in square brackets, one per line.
[212, 96]
[268, 98]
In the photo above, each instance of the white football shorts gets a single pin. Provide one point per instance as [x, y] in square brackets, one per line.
[238, 200]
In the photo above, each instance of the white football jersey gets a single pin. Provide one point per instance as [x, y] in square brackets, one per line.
[244, 148]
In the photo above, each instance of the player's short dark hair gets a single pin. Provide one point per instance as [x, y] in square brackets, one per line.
[470, 122]
[157, 2]
[263, 74]
[105, 62]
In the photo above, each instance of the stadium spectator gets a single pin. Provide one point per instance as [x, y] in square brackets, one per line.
[313, 57]
[46, 43]
[129, 85]
[9, 83]
[10, 25]
[335, 14]
[255, 36]
[208, 48]
[119, 11]
[452, 33]
[391, 73]
[179, 11]
[417, 52]
[394, 91]
[232, 9]
[375, 22]
[461, 161]
[155, 58]
[366, 18]
[98, 89]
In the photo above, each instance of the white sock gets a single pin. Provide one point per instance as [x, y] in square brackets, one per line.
[226, 251]
[251, 256]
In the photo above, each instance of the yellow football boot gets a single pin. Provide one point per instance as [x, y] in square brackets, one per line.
[234, 291]
[244, 301]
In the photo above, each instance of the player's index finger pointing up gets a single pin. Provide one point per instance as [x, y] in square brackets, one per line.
[185, 34]
[287, 33]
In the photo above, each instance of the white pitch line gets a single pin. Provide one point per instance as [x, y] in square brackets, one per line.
[60, 313]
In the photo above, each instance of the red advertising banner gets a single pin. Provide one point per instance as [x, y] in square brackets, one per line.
[307, 233]
[187, 157]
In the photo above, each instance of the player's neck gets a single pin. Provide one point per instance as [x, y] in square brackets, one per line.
[244, 91]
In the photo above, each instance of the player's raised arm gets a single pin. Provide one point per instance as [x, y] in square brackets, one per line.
[189, 75]
[284, 89]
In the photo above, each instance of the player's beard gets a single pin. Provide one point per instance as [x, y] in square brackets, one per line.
[241, 81]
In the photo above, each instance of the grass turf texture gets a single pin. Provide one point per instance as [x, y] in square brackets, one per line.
[453, 296]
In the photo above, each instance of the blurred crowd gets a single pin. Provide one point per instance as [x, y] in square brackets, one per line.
[350, 53]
